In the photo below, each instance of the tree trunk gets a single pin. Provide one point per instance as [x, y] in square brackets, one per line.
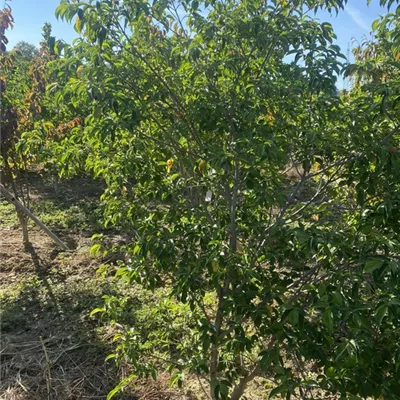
[24, 225]
[22, 218]
[214, 357]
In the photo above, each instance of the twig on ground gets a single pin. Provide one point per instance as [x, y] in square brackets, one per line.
[48, 371]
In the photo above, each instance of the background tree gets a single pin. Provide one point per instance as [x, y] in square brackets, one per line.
[23, 85]
[48, 40]
[26, 50]
[61, 117]
[14, 80]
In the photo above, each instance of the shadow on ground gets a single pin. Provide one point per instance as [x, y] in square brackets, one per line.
[50, 347]
[68, 207]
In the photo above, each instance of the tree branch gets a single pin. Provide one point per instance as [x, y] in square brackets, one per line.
[241, 386]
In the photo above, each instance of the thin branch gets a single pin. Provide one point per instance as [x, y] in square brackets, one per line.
[179, 20]
[317, 194]
[202, 387]
[156, 73]
[201, 305]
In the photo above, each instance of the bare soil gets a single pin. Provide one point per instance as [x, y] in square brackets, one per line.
[49, 346]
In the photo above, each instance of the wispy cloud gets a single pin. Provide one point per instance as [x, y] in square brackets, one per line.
[357, 17]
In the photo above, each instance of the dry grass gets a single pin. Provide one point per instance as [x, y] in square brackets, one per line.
[49, 346]
[53, 368]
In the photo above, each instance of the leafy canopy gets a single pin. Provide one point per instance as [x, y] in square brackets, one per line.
[264, 200]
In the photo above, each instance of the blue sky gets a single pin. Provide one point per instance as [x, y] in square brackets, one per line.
[30, 15]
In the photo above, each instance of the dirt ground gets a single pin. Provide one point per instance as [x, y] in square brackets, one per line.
[50, 348]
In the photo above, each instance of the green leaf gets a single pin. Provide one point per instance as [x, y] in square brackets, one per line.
[177, 378]
[293, 317]
[395, 302]
[223, 389]
[375, 25]
[97, 310]
[95, 249]
[327, 318]
[136, 249]
[125, 382]
[372, 265]
[278, 390]
[110, 356]
[380, 313]
[113, 392]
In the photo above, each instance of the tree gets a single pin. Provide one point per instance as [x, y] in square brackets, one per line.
[12, 83]
[48, 40]
[57, 115]
[196, 118]
[26, 50]
[22, 88]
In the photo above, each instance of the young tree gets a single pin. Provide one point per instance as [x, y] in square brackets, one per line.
[59, 117]
[14, 80]
[48, 40]
[261, 198]
[22, 88]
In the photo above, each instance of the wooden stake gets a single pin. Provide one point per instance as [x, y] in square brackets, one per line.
[8, 196]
